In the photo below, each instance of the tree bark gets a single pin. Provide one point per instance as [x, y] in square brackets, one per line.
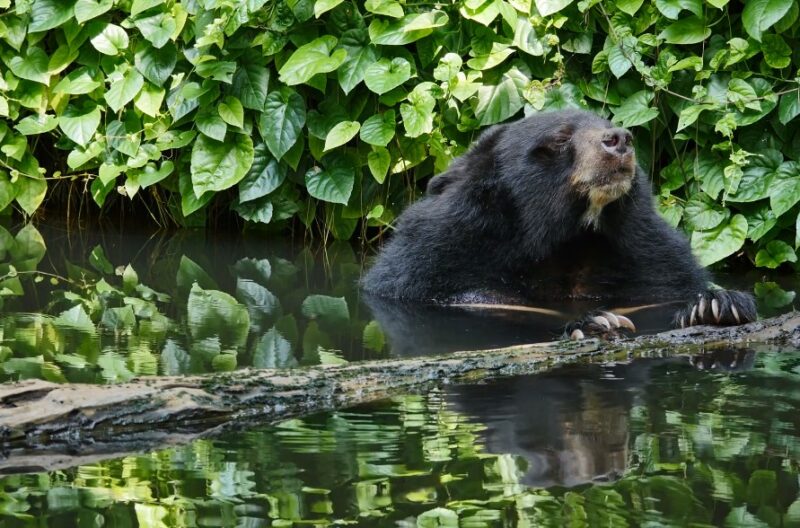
[41, 422]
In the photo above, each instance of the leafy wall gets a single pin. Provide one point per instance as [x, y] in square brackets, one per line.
[329, 112]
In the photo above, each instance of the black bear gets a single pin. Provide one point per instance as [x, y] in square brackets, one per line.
[552, 206]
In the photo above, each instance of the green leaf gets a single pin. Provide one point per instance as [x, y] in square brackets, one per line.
[690, 113]
[389, 8]
[231, 111]
[111, 40]
[785, 188]
[776, 52]
[273, 351]
[149, 99]
[80, 123]
[217, 166]
[373, 338]
[322, 6]
[548, 7]
[775, 253]
[215, 314]
[789, 107]
[760, 15]
[716, 244]
[77, 82]
[385, 75]
[122, 91]
[318, 56]
[741, 94]
[157, 29]
[29, 192]
[143, 5]
[672, 8]
[418, 113]
[189, 273]
[406, 30]
[634, 111]
[360, 55]
[259, 211]
[212, 125]
[689, 30]
[33, 65]
[282, 120]
[618, 61]
[49, 14]
[497, 55]
[15, 147]
[150, 175]
[797, 232]
[702, 213]
[36, 124]
[331, 310]
[156, 64]
[341, 134]
[330, 185]
[265, 175]
[89, 9]
[7, 194]
[757, 177]
[250, 83]
[498, 102]
[772, 295]
[629, 6]
[760, 222]
[218, 70]
[378, 129]
[83, 155]
[379, 161]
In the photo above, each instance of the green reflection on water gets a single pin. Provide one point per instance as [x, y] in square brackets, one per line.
[701, 448]
[91, 320]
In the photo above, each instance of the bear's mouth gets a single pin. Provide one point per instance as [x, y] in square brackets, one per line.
[604, 184]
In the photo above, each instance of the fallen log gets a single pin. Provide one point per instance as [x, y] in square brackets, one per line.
[44, 425]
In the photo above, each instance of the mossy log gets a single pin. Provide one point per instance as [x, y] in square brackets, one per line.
[46, 425]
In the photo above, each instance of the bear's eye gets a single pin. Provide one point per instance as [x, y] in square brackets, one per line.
[555, 144]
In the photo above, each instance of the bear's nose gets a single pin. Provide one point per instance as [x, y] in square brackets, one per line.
[617, 141]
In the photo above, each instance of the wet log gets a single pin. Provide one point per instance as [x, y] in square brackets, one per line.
[45, 425]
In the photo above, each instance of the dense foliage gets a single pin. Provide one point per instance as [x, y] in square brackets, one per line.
[328, 112]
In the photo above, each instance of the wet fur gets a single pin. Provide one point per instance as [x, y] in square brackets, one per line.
[504, 225]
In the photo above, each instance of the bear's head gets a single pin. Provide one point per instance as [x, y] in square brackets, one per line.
[562, 163]
[582, 157]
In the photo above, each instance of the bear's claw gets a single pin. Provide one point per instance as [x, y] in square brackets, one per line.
[718, 307]
[599, 323]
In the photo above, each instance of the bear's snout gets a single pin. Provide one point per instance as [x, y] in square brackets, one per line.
[617, 141]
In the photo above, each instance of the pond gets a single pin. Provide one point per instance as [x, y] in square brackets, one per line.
[658, 441]
[653, 442]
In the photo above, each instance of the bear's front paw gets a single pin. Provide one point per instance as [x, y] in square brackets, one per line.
[599, 324]
[718, 307]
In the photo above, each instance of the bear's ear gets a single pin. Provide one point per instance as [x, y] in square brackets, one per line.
[478, 160]
[439, 183]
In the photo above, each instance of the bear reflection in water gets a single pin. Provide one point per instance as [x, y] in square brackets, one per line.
[424, 330]
[573, 425]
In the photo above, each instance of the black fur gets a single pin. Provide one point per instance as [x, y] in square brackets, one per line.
[503, 224]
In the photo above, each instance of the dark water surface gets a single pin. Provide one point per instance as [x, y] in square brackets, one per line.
[714, 440]
[104, 306]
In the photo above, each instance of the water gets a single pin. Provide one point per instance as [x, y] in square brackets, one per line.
[713, 440]
[653, 442]
[104, 306]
